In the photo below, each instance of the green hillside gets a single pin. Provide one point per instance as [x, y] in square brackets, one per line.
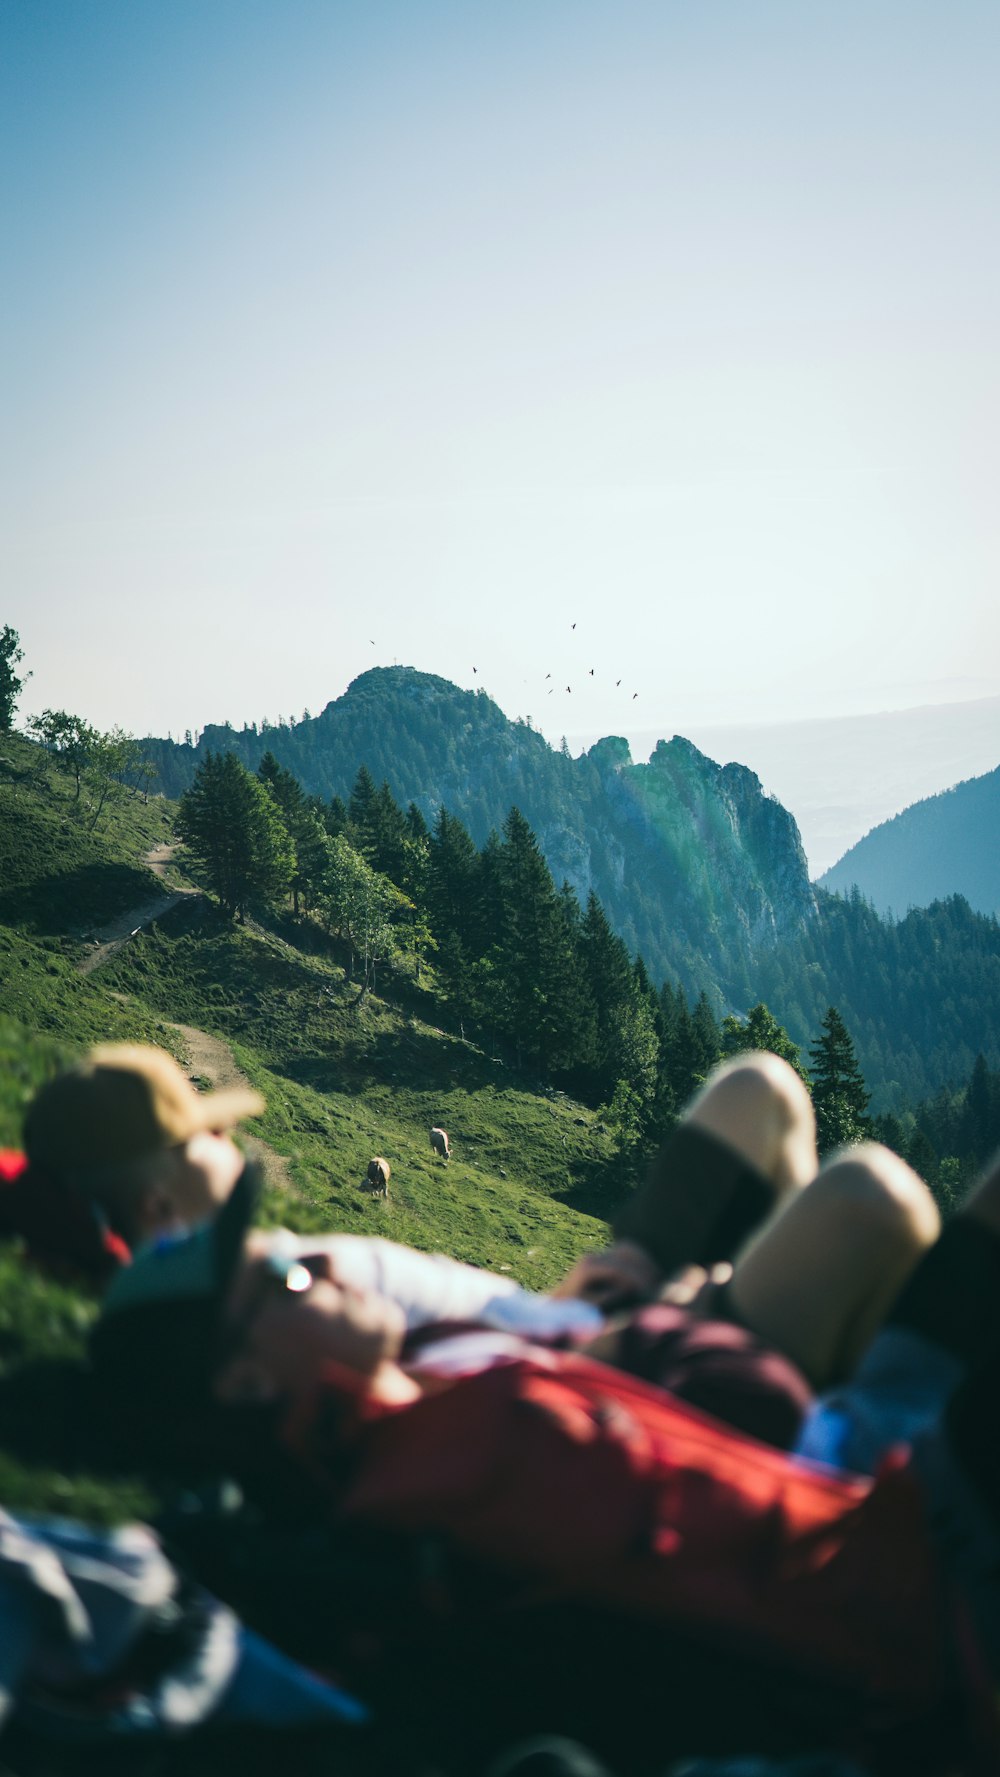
[531, 1176]
[342, 1083]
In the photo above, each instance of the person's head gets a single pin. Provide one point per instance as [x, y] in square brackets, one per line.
[221, 1317]
[125, 1130]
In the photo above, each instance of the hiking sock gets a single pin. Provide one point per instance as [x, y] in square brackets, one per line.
[951, 1298]
[700, 1201]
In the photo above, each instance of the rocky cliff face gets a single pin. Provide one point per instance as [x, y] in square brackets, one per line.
[719, 865]
[695, 866]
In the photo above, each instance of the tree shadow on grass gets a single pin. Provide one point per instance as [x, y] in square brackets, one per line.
[599, 1185]
[415, 1059]
[90, 895]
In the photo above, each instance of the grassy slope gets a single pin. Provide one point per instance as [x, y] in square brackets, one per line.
[531, 1174]
[342, 1085]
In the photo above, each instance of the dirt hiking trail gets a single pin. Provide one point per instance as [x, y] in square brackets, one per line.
[109, 938]
[209, 1058]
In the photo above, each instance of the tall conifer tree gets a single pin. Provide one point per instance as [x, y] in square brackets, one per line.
[840, 1097]
[231, 823]
[452, 880]
[540, 986]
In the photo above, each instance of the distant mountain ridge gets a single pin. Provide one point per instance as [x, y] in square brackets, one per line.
[945, 845]
[696, 867]
[700, 871]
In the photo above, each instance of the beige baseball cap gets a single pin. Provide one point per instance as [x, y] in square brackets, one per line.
[123, 1102]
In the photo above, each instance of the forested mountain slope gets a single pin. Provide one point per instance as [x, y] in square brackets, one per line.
[694, 865]
[946, 845]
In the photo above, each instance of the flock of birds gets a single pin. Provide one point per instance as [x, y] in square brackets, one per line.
[552, 688]
[569, 688]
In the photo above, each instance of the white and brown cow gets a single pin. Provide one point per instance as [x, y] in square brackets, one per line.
[439, 1143]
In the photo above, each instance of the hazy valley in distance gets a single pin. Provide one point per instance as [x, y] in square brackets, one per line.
[840, 776]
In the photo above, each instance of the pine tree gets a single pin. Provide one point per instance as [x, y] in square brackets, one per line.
[291, 800]
[840, 1098]
[231, 823]
[679, 1076]
[541, 996]
[453, 882]
[981, 1105]
[416, 826]
[706, 1037]
[607, 972]
[387, 834]
[335, 816]
[360, 805]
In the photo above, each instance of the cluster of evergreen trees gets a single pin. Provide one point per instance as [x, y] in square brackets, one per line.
[697, 870]
[519, 962]
[951, 1137]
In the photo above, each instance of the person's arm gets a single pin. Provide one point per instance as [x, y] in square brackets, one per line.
[429, 1287]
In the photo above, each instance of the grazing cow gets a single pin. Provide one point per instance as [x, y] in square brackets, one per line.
[377, 1176]
[439, 1142]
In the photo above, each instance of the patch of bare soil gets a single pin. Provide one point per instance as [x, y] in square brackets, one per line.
[209, 1058]
[160, 857]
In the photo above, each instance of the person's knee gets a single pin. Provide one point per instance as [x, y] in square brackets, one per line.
[758, 1104]
[754, 1081]
[820, 1281]
[881, 1196]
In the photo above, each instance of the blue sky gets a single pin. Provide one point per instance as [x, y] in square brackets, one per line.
[337, 335]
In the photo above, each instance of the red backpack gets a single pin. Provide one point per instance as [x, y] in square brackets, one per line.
[600, 1488]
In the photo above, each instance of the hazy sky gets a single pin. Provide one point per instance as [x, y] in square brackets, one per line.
[343, 334]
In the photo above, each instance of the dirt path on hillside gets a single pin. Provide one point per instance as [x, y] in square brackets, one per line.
[108, 939]
[209, 1058]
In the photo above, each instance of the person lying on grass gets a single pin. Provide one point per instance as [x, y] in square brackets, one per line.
[271, 1311]
[122, 1151]
[213, 1333]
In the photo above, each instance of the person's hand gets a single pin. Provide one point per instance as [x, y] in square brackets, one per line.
[621, 1276]
[695, 1288]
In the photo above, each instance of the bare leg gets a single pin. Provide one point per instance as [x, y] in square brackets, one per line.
[759, 1107]
[822, 1276]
